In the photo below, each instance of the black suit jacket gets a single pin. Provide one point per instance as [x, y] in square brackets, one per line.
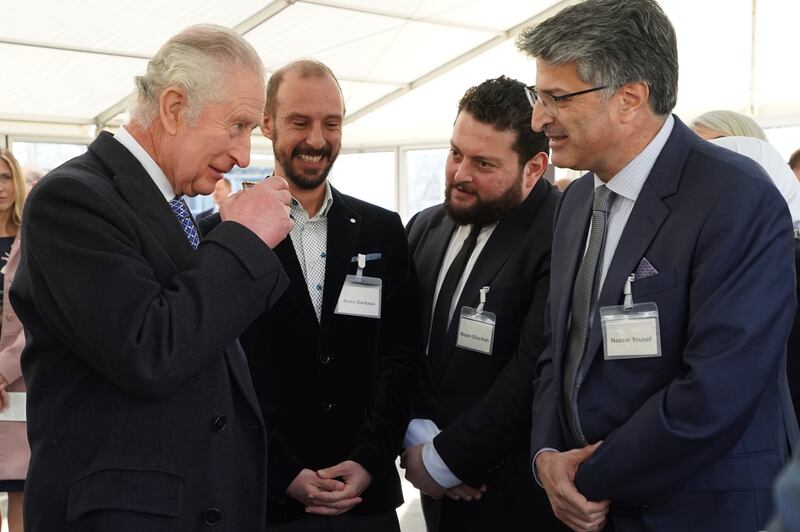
[141, 414]
[482, 402]
[338, 389]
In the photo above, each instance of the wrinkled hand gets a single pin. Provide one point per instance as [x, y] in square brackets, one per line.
[465, 492]
[556, 472]
[418, 475]
[4, 400]
[263, 208]
[355, 479]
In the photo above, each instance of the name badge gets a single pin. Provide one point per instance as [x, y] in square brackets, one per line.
[631, 332]
[360, 295]
[476, 327]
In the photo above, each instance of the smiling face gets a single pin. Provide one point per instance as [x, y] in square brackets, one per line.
[198, 152]
[582, 135]
[306, 129]
[484, 177]
[7, 187]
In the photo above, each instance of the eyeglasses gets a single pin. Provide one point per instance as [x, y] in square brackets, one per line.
[550, 102]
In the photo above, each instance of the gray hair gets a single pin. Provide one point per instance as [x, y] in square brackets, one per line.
[613, 42]
[197, 61]
[730, 124]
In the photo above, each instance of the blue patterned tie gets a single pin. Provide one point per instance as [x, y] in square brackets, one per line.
[181, 211]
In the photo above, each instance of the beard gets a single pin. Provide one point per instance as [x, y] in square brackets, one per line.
[483, 211]
[300, 179]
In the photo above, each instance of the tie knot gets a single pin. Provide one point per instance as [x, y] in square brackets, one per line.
[603, 197]
[179, 207]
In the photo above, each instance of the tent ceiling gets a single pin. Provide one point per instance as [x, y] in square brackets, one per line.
[403, 64]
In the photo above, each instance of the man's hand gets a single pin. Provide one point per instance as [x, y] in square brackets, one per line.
[556, 472]
[355, 478]
[307, 487]
[263, 208]
[418, 475]
[465, 492]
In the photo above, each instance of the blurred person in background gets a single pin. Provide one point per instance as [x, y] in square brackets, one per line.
[32, 175]
[743, 135]
[14, 451]
[221, 191]
[720, 123]
[794, 163]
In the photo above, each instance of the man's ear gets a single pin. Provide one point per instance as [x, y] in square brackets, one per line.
[172, 107]
[266, 125]
[632, 97]
[533, 169]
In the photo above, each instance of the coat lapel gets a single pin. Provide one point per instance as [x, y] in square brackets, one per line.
[344, 226]
[643, 225]
[298, 289]
[500, 246]
[429, 263]
[141, 193]
[569, 244]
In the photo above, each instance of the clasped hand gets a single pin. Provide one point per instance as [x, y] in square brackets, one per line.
[556, 472]
[330, 491]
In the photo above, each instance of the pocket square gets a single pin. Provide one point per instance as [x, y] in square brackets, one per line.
[645, 269]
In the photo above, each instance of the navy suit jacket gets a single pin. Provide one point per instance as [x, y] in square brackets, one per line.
[691, 440]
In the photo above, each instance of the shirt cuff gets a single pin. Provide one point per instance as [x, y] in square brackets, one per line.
[420, 431]
[533, 462]
[437, 468]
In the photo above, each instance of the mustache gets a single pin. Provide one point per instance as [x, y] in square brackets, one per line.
[325, 151]
[463, 187]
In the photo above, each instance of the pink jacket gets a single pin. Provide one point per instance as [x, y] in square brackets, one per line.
[14, 450]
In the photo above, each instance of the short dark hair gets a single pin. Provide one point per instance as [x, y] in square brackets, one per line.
[613, 42]
[305, 68]
[794, 160]
[501, 103]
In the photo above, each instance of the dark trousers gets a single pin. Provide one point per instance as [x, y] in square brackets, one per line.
[383, 522]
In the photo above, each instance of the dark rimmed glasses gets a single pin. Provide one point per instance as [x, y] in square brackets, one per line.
[550, 102]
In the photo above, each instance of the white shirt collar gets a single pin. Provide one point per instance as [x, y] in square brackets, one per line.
[630, 180]
[155, 172]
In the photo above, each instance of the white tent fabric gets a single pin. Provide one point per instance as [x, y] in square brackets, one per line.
[403, 64]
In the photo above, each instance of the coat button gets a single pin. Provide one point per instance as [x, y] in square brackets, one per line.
[219, 423]
[212, 516]
[327, 406]
[325, 358]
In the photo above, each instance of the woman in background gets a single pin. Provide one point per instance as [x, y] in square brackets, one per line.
[715, 124]
[14, 450]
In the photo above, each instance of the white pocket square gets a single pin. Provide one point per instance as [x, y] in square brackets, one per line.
[645, 269]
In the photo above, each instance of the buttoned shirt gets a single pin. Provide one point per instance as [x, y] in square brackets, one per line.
[310, 239]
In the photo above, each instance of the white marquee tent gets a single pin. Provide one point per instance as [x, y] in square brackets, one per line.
[403, 64]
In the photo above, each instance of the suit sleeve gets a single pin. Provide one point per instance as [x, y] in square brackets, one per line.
[144, 330]
[483, 436]
[741, 303]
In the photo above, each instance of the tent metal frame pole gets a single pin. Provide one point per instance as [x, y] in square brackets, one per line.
[457, 61]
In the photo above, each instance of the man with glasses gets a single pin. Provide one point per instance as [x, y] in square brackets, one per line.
[662, 402]
[494, 231]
